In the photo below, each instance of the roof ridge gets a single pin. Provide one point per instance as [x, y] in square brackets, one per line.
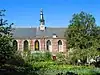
[23, 27]
[56, 27]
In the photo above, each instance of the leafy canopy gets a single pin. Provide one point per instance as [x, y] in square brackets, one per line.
[6, 49]
[83, 38]
[82, 31]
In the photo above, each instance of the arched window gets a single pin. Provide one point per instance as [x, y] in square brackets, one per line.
[15, 45]
[48, 45]
[59, 45]
[36, 45]
[25, 45]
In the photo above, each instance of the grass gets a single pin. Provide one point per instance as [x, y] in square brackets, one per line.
[50, 68]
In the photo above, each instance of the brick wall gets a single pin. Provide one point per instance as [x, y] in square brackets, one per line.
[54, 45]
[31, 44]
[64, 46]
[42, 41]
[42, 44]
[20, 45]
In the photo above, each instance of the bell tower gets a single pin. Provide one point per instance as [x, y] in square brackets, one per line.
[42, 21]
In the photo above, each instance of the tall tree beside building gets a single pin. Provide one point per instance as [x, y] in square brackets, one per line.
[6, 49]
[83, 37]
[81, 32]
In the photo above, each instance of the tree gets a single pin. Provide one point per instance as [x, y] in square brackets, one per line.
[83, 36]
[81, 31]
[11, 61]
[6, 49]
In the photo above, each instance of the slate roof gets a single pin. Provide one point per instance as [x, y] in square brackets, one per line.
[29, 33]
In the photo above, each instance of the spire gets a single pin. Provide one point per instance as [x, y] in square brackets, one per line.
[42, 21]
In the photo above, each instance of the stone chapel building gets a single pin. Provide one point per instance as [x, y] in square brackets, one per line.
[41, 38]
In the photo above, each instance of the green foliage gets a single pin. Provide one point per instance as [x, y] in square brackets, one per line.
[16, 60]
[81, 32]
[36, 57]
[52, 69]
[23, 69]
[61, 59]
[17, 65]
[47, 56]
[11, 63]
[6, 49]
[49, 67]
[83, 37]
[82, 54]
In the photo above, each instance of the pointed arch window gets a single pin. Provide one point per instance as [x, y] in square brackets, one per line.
[48, 45]
[59, 45]
[36, 45]
[25, 45]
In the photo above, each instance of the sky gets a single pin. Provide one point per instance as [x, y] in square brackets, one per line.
[57, 13]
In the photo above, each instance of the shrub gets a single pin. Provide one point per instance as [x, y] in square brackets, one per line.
[47, 56]
[60, 59]
[37, 56]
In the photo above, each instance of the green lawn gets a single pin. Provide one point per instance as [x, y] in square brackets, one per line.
[50, 68]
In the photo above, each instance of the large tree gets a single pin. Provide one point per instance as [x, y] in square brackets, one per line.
[82, 31]
[83, 36]
[6, 49]
[11, 61]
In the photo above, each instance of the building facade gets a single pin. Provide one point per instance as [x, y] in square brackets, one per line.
[41, 38]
